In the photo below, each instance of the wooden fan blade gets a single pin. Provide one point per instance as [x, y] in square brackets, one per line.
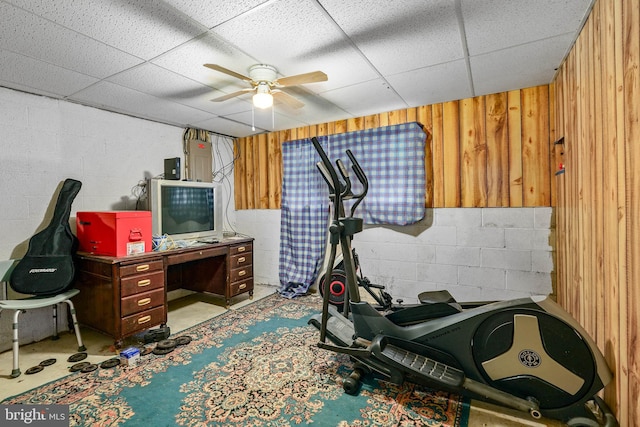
[228, 72]
[312, 77]
[286, 98]
[231, 95]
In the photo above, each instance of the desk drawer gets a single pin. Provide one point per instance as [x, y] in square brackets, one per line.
[142, 301]
[241, 274]
[196, 255]
[241, 260]
[240, 249]
[141, 268]
[141, 283]
[143, 320]
[241, 287]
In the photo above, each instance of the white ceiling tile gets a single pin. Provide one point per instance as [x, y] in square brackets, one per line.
[214, 12]
[396, 39]
[189, 60]
[366, 98]
[24, 73]
[496, 24]
[117, 98]
[287, 35]
[142, 28]
[528, 65]
[282, 29]
[162, 83]
[227, 127]
[145, 58]
[25, 33]
[431, 85]
[263, 119]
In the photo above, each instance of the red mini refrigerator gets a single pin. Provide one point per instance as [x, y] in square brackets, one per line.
[114, 233]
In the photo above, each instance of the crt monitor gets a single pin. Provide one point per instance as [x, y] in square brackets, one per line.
[185, 210]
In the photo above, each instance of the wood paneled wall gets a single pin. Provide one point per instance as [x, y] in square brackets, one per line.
[488, 151]
[597, 98]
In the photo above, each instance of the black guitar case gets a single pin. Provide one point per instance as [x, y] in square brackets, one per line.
[47, 268]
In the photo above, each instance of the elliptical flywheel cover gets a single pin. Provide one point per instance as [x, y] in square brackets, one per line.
[167, 344]
[183, 340]
[110, 363]
[34, 369]
[162, 351]
[79, 366]
[77, 357]
[48, 362]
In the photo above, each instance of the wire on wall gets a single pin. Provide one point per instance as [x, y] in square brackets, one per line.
[223, 150]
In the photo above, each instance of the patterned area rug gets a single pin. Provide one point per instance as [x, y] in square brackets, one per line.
[255, 366]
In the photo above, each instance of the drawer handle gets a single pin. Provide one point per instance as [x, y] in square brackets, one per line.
[144, 282]
[242, 272]
[144, 319]
[143, 267]
[242, 259]
[244, 285]
[144, 301]
[241, 249]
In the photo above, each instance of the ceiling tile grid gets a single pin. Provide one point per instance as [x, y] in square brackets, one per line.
[145, 58]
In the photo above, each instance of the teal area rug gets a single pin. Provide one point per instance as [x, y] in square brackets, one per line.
[255, 366]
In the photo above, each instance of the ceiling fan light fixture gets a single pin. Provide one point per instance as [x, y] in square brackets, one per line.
[262, 98]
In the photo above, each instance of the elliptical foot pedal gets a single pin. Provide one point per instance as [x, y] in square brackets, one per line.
[416, 364]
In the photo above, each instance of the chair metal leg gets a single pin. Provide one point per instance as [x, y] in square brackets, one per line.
[16, 346]
[55, 323]
[76, 327]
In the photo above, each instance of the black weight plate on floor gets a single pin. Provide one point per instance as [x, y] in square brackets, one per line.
[183, 340]
[161, 351]
[77, 357]
[79, 366]
[89, 368]
[34, 369]
[48, 362]
[166, 344]
[110, 363]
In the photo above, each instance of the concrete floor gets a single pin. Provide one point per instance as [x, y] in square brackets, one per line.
[185, 310]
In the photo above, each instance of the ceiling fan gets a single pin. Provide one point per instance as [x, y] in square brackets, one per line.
[265, 83]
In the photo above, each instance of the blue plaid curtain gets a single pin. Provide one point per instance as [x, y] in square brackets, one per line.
[393, 159]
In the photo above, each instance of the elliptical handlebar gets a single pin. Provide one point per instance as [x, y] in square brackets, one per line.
[362, 177]
[345, 175]
[336, 187]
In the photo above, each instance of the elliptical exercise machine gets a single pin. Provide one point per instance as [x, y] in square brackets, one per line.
[526, 354]
[337, 286]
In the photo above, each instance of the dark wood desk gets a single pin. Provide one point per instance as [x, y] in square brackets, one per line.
[124, 296]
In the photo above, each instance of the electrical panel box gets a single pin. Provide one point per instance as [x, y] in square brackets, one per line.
[199, 161]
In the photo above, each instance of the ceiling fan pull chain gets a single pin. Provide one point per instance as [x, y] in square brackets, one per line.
[273, 117]
[253, 119]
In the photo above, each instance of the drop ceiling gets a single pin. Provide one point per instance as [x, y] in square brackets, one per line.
[145, 58]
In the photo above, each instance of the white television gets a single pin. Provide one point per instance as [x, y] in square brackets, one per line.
[185, 210]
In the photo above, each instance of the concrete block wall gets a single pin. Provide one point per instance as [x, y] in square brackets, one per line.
[45, 141]
[475, 253]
